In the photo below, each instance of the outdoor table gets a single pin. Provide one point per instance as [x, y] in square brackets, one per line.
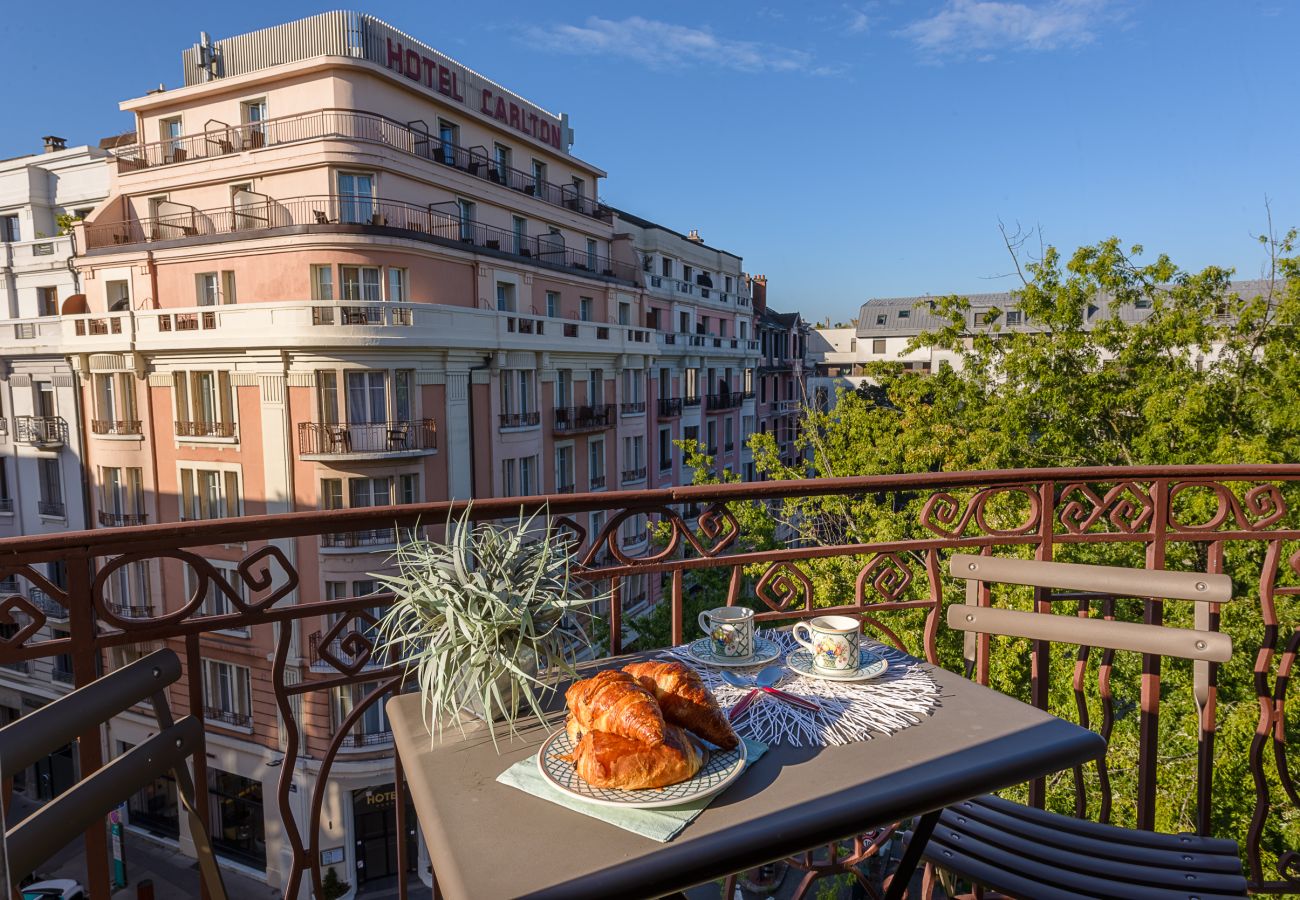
[487, 840]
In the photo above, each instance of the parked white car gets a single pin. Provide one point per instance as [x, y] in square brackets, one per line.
[54, 889]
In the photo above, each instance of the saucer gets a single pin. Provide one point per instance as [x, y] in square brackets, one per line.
[701, 651]
[870, 665]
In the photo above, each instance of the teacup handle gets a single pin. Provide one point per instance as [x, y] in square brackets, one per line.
[794, 633]
[704, 624]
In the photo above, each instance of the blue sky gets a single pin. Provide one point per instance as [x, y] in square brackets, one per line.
[846, 150]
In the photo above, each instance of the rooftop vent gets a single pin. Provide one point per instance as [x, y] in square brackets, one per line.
[54, 144]
[695, 236]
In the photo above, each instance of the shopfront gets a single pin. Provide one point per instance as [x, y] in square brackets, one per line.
[154, 807]
[235, 818]
[374, 825]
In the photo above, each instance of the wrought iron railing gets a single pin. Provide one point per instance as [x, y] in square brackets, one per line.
[634, 474]
[51, 508]
[205, 429]
[326, 439]
[1244, 520]
[335, 212]
[115, 426]
[6, 504]
[632, 407]
[670, 407]
[228, 717]
[53, 609]
[368, 537]
[342, 124]
[41, 431]
[570, 419]
[119, 520]
[521, 419]
[720, 402]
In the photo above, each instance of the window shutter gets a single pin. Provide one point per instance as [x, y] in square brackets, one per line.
[206, 482]
[182, 398]
[225, 398]
[232, 494]
[187, 494]
[227, 286]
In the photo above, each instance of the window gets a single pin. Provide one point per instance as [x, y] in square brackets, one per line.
[584, 308]
[403, 380]
[528, 476]
[711, 429]
[591, 254]
[253, 112]
[687, 273]
[624, 313]
[331, 493]
[363, 492]
[564, 480]
[749, 381]
[728, 432]
[727, 282]
[367, 397]
[239, 824]
[214, 288]
[47, 301]
[684, 322]
[905, 314]
[667, 266]
[322, 282]
[408, 488]
[51, 479]
[597, 385]
[691, 433]
[9, 230]
[518, 391]
[1013, 317]
[204, 404]
[877, 345]
[4, 487]
[216, 602]
[692, 387]
[1139, 303]
[665, 449]
[744, 330]
[539, 174]
[169, 132]
[633, 457]
[633, 531]
[632, 385]
[746, 427]
[563, 387]
[579, 191]
[509, 470]
[372, 723]
[762, 390]
[449, 136]
[505, 296]
[853, 345]
[209, 494]
[881, 318]
[396, 285]
[520, 225]
[226, 693]
[467, 212]
[501, 155]
[356, 198]
[596, 462]
[360, 283]
[121, 492]
[552, 304]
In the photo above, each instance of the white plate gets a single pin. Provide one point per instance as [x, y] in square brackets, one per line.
[701, 651]
[870, 665]
[721, 768]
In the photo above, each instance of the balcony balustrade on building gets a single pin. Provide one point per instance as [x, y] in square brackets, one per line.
[330, 439]
[6, 504]
[1240, 519]
[723, 402]
[349, 213]
[691, 401]
[115, 426]
[369, 537]
[521, 419]
[53, 508]
[119, 520]
[41, 431]
[573, 419]
[53, 609]
[4, 426]
[130, 610]
[670, 407]
[353, 125]
[632, 407]
[205, 429]
[353, 741]
[565, 488]
[62, 676]
[98, 326]
[633, 475]
[597, 482]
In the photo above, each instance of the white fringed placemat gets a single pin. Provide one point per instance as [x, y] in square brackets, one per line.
[850, 711]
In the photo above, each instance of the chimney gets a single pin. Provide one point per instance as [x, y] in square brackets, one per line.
[695, 236]
[54, 144]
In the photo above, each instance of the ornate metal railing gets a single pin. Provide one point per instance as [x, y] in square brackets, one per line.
[670, 407]
[718, 402]
[1233, 781]
[41, 431]
[205, 429]
[115, 426]
[367, 437]
[571, 419]
[120, 520]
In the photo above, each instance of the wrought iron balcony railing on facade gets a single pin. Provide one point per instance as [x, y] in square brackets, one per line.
[572, 419]
[329, 439]
[131, 610]
[369, 537]
[632, 407]
[670, 407]
[521, 419]
[1241, 519]
[723, 402]
[633, 475]
[119, 520]
[53, 609]
[54, 508]
[41, 431]
[228, 717]
[115, 426]
[354, 125]
[205, 429]
[6, 504]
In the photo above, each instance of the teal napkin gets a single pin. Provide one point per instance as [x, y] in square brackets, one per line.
[657, 824]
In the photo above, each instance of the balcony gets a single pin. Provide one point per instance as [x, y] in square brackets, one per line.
[97, 326]
[6, 504]
[374, 440]
[521, 419]
[41, 431]
[691, 401]
[353, 741]
[670, 407]
[205, 429]
[53, 609]
[596, 482]
[633, 408]
[1240, 519]
[122, 520]
[351, 125]
[631, 476]
[576, 419]
[4, 427]
[371, 537]
[123, 427]
[228, 717]
[52, 508]
[130, 610]
[334, 214]
[723, 402]
[565, 488]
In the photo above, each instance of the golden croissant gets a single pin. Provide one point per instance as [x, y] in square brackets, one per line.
[616, 703]
[685, 700]
[607, 760]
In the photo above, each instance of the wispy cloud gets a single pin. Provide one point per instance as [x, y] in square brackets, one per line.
[982, 28]
[858, 21]
[663, 45]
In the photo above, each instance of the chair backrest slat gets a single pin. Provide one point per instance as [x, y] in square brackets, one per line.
[61, 722]
[1102, 579]
[1211, 646]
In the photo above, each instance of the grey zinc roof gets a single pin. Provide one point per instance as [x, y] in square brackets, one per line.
[917, 315]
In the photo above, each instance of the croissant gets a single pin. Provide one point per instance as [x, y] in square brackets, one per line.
[607, 760]
[685, 700]
[615, 702]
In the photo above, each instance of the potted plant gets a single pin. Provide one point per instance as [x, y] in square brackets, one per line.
[488, 620]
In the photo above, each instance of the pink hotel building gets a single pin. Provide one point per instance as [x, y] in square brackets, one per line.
[339, 269]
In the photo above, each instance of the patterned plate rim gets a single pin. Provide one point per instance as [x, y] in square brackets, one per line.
[773, 651]
[864, 655]
[716, 758]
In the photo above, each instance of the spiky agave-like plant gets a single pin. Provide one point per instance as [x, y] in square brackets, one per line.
[472, 615]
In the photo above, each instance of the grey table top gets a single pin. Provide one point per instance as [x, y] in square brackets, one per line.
[487, 840]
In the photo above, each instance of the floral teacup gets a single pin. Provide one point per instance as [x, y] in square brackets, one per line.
[730, 630]
[834, 642]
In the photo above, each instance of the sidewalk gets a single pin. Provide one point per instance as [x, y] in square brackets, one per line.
[173, 874]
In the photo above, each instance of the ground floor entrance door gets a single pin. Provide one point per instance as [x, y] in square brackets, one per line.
[374, 824]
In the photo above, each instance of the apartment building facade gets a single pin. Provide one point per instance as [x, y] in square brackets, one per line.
[782, 377]
[42, 426]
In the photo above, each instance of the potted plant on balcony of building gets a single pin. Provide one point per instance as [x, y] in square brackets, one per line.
[488, 621]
